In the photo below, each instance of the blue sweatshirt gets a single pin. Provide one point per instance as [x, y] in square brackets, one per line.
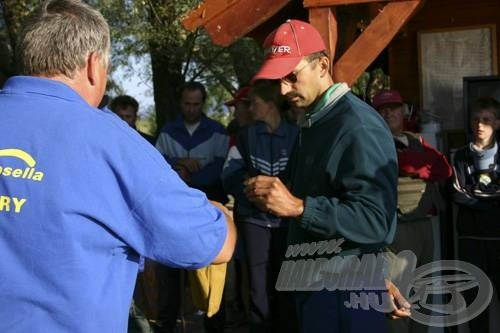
[82, 194]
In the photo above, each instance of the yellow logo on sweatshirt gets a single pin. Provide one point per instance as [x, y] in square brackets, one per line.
[28, 172]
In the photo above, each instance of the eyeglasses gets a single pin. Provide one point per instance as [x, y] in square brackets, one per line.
[292, 77]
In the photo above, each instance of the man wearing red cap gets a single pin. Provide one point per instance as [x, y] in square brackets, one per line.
[343, 174]
[420, 168]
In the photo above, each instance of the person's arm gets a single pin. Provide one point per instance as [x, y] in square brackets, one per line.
[233, 174]
[364, 209]
[210, 173]
[462, 194]
[226, 253]
[440, 169]
[429, 164]
[162, 146]
[176, 225]
[363, 212]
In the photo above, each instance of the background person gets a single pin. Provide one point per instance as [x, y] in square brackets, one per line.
[196, 147]
[476, 192]
[236, 288]
[262, 148]
[97, 197]
[127, 107]
[420, 168]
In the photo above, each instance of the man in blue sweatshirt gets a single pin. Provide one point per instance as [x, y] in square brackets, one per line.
[82, 195]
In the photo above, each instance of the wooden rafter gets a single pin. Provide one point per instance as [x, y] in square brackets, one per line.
[373, 40]
[205, 12]
[333, 3]
[227, 21]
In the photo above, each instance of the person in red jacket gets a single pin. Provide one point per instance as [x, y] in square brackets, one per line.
[421, 167]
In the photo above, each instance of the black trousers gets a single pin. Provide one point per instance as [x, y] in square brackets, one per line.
[270, 310]
[485, 254]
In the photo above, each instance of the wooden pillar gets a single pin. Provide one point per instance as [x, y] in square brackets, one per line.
[324, 19]
[373, 40]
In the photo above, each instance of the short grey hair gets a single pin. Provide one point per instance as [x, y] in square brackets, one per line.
[59, 36]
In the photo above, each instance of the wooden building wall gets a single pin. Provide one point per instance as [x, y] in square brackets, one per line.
[435, 14]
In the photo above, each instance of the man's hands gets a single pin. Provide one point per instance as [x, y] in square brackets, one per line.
[270, 195]
[401, 307]
[192, 165]
[185, 167]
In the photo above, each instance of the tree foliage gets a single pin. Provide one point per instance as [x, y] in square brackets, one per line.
[153, 29]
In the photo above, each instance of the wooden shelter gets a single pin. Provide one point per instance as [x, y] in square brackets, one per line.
[430, 45]
[227, 21]
[357, 31]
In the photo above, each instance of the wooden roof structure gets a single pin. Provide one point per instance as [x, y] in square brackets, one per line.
[229, 20]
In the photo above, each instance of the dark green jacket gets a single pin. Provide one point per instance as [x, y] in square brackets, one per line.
[344, 167]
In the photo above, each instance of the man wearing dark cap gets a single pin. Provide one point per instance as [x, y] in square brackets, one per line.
[420, 167]
[343, 175]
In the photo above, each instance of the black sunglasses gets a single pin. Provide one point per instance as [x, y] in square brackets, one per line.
[292, 77]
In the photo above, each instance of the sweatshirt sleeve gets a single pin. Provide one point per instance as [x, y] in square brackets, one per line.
[429, 164]
[210, 173]
[362, 207]
[233, 174]
[162, 146]
[462, 194]
[179, 226]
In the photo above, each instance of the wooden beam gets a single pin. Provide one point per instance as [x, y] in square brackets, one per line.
[333, 3]
[205, 12]
[235, 22]
[373, 40]
[325, 21]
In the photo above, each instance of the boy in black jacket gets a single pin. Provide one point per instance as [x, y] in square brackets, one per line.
[477, 194]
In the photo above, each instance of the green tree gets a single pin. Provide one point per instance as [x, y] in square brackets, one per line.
[153, 27]
[12, 15]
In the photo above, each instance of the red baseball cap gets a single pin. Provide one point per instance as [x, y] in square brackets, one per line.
[286, 46]
[387, 97]
[240, 95]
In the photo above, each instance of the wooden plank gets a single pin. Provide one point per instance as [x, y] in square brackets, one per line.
[333, 3]
[325, 21]
[373, 40]
[237, 21]
[205, 12]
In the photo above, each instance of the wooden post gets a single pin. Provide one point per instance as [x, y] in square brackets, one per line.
[324, 19]
[373, 40]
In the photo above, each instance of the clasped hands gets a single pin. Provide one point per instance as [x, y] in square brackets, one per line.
[270, 195]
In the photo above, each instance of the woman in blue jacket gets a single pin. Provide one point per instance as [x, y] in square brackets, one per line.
[262, 148]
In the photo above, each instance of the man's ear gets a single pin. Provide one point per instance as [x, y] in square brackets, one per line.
[497, 124]
[93, 63]
[324, 64]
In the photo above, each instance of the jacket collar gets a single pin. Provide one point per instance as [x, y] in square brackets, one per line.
[42, 86]
[280, 131]
[179, 122]
[325, 103]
